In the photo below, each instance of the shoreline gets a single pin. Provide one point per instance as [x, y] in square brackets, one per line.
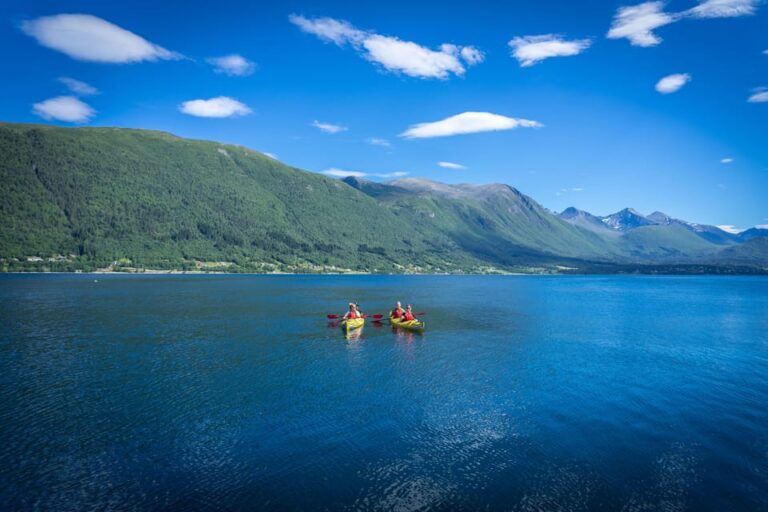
[467, 274]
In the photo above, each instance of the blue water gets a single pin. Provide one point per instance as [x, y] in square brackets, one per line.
[524, 393]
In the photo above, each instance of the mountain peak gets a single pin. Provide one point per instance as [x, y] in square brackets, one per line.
[586, 220]
[355, 181]
[626, 219]
[660, 218]
[570, 212]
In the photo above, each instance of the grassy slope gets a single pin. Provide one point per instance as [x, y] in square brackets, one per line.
[665, 243]
[505, 228]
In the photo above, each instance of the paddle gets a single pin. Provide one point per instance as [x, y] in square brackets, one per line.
[376, 317]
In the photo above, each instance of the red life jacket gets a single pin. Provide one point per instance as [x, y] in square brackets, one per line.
[397, 313]
[353, 315]
[407, 316]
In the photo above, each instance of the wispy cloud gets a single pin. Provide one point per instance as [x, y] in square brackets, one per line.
[759, 95]
[637, 23]
[64, 108]
[728, 228]
[341, 173]
[451, 165]
[232, 65]
[672, 83]
[270, 155]
[78, 87]
[86, 37]
[221, 106]
[329, 29]
[467, 122]
[375, 141]
[563, 191]
[723, 8]
[726, 161]
[329, 127]
[528, 50]
[392, 53]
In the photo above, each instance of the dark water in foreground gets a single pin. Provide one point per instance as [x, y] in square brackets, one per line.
[525, 393]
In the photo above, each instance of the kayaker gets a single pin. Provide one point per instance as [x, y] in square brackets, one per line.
[407, 315]
[398, 311]
[353, 312]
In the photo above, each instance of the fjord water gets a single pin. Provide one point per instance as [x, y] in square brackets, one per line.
[123, 392]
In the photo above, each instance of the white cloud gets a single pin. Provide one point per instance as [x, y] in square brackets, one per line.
[637, 23]
[78, 87]
[467, 122]
[270, 155]
[761, 226]
[86, 37]
[412, 59]
[723, 8]
[451, 165]
[221, 106]
[726, 161]
[392, 53]
[472, 55]
[528, 50]
[64, 108]
[374, 141]
[577, 189]
[759, 95]
[672, 83]
[341, 173]
[232, 65]
[328, 127]
[728, 228]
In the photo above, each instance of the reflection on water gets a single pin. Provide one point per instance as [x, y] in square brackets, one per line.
[566, 393]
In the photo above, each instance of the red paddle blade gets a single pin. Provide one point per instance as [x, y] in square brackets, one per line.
[377, 316]
[332, 317]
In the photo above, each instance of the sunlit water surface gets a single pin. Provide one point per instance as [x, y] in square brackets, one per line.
[525, 393]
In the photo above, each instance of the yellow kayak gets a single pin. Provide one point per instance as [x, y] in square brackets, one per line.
[411, 325]
[351, 325]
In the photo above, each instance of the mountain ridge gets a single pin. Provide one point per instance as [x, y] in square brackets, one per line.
[121, 199]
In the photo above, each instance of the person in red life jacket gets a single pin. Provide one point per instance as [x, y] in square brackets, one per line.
[398, 311]
[407, 316]
[353, 312]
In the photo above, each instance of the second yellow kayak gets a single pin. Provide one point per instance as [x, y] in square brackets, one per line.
[411, 325]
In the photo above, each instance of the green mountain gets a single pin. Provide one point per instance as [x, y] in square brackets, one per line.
[753, 250]
[88, 198]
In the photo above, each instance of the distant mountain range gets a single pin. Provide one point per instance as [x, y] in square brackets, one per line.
[123, 199]
[629, 219]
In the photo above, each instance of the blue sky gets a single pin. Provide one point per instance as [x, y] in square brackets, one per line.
[560, 99]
